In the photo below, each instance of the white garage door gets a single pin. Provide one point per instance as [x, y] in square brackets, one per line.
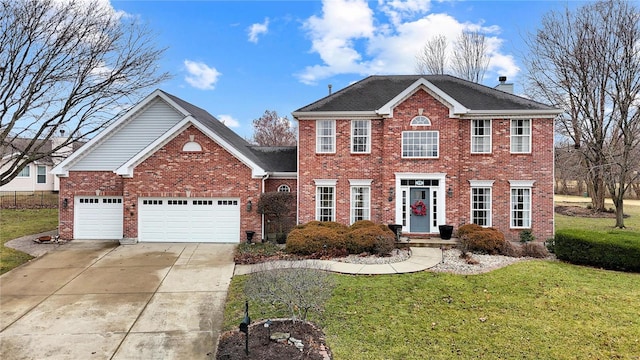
[189, 220]
[97, 217]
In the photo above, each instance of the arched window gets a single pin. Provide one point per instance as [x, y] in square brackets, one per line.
[192, 146]
[420, 120]
[284, 188]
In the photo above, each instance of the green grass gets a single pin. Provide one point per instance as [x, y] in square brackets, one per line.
[530, 310]
[631, 208]
[18, 223]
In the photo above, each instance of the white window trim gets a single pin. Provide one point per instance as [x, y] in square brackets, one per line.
[284, 186]
[27, 169]
[511, 136]
[515, 185]
[420, 157]
[38, 167]
[333, 137]
[325, 182]
[490, 136]
[333, 201]
[414, 121]
[360, 182]
[367, 203]
[368, 137]
[482, 184]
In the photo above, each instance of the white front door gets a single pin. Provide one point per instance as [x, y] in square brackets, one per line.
[97, 217]
[189, 220]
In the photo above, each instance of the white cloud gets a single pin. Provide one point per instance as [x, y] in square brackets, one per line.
[201, 76]
[228, 120]
[258, 29]
[368, 45]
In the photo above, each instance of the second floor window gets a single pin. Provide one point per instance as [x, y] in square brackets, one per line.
[520, 136]
[360, 136]
[480, 136]
[325, 136]
[420, 144]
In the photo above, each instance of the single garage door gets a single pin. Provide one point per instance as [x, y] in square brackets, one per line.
[97, 217]
[189, 220]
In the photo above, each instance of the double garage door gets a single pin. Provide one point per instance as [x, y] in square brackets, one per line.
[189, 220]
[160, 219]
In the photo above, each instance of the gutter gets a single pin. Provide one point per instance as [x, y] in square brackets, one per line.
[264, 179]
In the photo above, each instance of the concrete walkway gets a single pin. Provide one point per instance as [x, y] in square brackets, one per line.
[100, 300]
[421, 259]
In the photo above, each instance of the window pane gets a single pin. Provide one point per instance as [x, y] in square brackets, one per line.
[360, 203]
[520, 136]
[360, 136]
[42, 174]
[481, 206]
[325, 203]
[521, 208]
[325, 136]
[481, 136]
[420, 144]
[24, 172]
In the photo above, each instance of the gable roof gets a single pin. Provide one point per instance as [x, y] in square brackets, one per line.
[379, 94]
[260, 162]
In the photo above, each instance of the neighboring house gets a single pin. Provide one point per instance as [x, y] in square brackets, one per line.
[35, 176]
[419, 151]
[424, 151]
[169, 171]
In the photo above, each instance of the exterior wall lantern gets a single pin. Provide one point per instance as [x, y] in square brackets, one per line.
[450, 192]
[249, 206]
[65, 203]
[391, 192]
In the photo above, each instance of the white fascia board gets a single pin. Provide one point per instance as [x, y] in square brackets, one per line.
[334, 115]
[512, 114]
[127, 168]
[455, 108]
[62, 168]
[283, 175]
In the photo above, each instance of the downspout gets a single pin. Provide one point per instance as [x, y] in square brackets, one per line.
[264, 179]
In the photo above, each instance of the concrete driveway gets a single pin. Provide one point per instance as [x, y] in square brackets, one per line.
[102, 300]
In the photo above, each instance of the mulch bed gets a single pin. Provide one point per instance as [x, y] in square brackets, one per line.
[584, 212]
[232, 343]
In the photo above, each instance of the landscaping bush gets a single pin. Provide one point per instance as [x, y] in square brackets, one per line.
[314, 239]
[615, 250]
[370, 239]
[468, 228]
[481, 240]
[325, 238]
[535, 250]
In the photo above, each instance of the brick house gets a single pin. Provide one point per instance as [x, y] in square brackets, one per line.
[419, 151]
[424, 151]
[169, 171]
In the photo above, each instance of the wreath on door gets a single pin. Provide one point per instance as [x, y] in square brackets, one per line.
[419, 208]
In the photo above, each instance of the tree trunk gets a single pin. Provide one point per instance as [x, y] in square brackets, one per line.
[619, 203]
[596, 189]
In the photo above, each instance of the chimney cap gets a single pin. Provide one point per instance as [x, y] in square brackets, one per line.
[502, 79]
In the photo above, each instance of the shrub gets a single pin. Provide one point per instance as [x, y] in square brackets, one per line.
[254, 253]
[372, 239]
[468, 228]
[361, 224]
[526, 236]
[325, 238]
[299, 289]
[615, 250]
[535, 250]
[314, 239]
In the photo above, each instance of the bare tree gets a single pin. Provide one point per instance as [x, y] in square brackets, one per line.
[432, 58]
[68, 65]
[273, 130]
[588, 62]
[470, 59]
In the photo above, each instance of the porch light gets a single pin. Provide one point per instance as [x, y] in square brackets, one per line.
[249, 206]
[391, 194]
[65, 203]
[450, 192]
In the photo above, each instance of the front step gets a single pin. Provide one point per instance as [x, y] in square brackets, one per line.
[432, 242]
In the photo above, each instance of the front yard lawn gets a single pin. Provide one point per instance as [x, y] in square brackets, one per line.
[18, 223]
[530, 310]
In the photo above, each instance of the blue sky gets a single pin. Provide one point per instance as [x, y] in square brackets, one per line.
[237, 59]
